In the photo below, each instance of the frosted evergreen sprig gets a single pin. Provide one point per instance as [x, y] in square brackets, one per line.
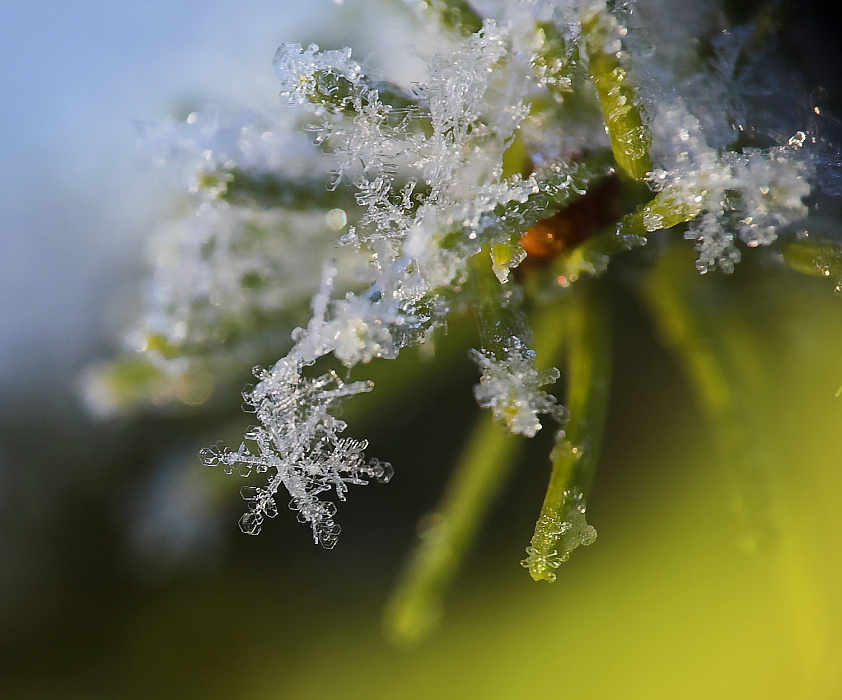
[420, 252]
[540, 145]
[586, 340]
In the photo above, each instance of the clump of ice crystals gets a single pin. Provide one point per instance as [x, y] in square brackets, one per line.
[565, 535]
[237, 254]
[230, 264]
[199, 152]
[429, 168]
[511, 387]
[757, 192]
[425, 163]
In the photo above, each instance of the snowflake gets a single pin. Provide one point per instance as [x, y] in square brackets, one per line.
[299, 446]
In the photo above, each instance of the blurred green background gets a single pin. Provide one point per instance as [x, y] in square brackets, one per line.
[665, 604]
[123, 574]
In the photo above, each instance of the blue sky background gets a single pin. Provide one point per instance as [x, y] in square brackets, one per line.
[76, 80]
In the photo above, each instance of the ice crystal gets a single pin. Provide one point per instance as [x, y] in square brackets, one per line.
[562, 535]
[298, 445]
[761, 190]
[511, 387]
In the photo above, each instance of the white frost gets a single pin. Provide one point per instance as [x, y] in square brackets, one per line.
[511, 387]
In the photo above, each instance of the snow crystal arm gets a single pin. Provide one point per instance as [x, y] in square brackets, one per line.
[583, 319]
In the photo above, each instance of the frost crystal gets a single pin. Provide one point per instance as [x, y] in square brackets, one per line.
[562, 535]
[299, 447]
[759, 190]
[510, 387]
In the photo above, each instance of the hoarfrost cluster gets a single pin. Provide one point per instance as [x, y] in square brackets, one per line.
[390, 205]
[753, 195]
[568, 533]
[511, 387]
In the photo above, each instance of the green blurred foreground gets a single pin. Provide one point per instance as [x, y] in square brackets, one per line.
[667, 604]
